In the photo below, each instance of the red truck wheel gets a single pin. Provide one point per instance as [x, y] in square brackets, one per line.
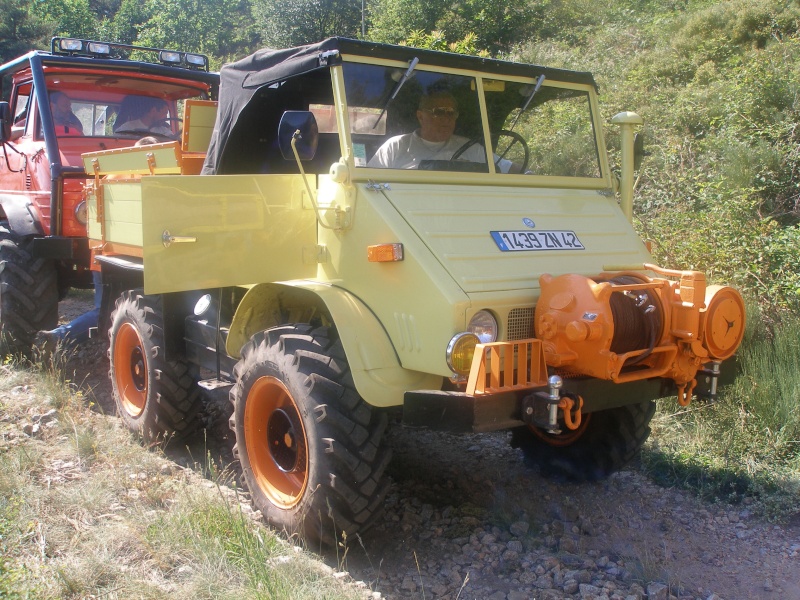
[156, 397]
[28, 294]
[609, 441]
[311, 449]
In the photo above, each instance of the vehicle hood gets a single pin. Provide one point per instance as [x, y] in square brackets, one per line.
[457, 223]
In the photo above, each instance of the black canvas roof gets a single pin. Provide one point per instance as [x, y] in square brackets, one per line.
[242, 79]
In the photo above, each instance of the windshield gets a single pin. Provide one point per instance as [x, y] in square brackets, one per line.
[120, 107]
[434, 123]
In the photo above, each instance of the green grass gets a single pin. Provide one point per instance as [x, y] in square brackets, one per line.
[745, 447]
[85, 511]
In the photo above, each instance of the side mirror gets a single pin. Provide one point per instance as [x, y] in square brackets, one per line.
[302, 125]
[6, 120]
[638, 150]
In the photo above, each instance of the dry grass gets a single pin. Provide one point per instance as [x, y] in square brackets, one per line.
[86, 512]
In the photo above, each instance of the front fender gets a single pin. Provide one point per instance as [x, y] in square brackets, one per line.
[377, 373]
[18, 211]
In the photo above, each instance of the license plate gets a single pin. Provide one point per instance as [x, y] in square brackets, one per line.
[531, 241]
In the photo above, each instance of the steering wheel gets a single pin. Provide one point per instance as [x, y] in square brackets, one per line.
[515, 139]
[141, 133]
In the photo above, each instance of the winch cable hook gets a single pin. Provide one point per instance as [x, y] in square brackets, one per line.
[684, 394]
[566, 404]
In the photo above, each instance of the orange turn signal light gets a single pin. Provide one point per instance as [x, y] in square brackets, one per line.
[385, 253]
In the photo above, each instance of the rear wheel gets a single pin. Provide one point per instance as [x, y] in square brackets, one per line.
[155, 397]
[28, 293]
[605, 442]
[311, 450]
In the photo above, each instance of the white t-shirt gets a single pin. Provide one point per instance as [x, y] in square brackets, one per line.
[406, 151]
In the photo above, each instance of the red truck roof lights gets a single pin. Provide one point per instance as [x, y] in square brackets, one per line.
[95, 49]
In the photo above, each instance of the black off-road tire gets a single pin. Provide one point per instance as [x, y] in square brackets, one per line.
[156, 398]
[28, 293]
[609, 441]
[311, 449]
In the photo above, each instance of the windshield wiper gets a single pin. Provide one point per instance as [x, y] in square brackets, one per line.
[528, 101]
[396, 89]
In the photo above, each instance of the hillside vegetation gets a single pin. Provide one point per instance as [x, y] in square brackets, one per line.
[716, 82]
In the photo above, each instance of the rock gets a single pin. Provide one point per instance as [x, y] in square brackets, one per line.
[50, 415]
[568, 545]
[519, 528]
[657, 591]
[586, 526]
[571, 586]
[510, 556]
[409, 584]
[589, 591]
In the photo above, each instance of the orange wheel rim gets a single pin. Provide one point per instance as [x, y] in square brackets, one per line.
[566, 437]
[276, 442]
[130, 370]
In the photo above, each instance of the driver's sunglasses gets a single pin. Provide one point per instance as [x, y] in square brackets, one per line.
[441, 112]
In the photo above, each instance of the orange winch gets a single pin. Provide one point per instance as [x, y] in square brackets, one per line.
[627, 326]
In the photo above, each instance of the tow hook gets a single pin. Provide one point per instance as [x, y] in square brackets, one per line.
[540, 409]
[685, 392]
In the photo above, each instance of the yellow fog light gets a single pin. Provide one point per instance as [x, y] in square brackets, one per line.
[460, 351]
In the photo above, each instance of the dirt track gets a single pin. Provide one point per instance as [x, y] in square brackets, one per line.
[465, 519]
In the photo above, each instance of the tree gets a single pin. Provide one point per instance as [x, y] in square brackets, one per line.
[71, 18]
[219, 28]
[284, 23]
[21, 29]
[393, 21]
[496, 25]
[123, 24]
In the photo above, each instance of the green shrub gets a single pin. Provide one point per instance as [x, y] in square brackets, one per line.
[746, 447]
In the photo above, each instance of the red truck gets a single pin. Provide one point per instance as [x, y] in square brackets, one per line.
[57, 105]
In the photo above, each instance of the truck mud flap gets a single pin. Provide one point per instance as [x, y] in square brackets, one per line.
[62, 248]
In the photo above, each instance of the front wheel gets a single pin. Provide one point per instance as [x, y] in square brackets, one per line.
[311, 450]
[28, 293]
[607, 441]
[156, 397]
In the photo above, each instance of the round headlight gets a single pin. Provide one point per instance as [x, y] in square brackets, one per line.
[484, 325]
[460, 351]
[81, 215]
[202, 305]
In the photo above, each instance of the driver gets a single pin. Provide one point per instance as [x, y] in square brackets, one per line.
[434, 140]
[149, 117]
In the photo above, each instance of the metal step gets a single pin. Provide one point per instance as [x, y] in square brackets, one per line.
[213, 384]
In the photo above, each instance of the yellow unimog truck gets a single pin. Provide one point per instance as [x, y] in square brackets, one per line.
[334, 262]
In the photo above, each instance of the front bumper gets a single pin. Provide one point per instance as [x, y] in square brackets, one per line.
[459, 412]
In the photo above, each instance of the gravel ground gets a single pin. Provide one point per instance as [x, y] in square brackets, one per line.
[466, 520]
